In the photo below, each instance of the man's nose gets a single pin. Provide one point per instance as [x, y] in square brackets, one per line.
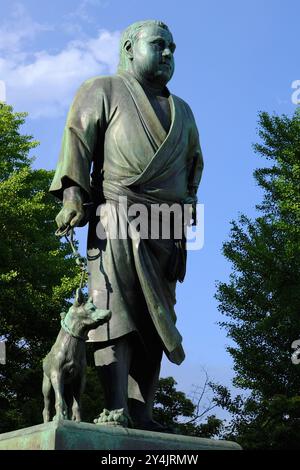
[167, 52]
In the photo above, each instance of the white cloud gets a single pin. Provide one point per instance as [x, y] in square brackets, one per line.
[17, 29]
[44, 86]
[44, 82]
[2, 91]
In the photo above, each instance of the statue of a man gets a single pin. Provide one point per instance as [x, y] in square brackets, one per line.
[127, 137]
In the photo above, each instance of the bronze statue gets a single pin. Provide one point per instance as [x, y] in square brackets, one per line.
[64, 366]
[127, 137]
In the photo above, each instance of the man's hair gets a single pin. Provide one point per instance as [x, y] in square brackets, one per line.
[131, 34]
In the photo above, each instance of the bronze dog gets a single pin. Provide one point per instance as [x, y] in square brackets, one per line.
[65, 365]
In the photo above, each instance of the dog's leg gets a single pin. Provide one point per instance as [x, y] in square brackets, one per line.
[78, 388]
[68, 396]
[57, 383]
[47, 398]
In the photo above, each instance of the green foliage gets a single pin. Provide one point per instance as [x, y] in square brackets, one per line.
[262, 298]
[170, 403]
[172, 408]
[14, 147]
[93, 397]
[37, 274]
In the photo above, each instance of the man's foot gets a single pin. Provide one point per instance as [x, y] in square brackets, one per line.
[114, 418]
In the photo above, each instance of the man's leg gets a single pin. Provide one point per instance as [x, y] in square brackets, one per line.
[142, 384]
[113, 362]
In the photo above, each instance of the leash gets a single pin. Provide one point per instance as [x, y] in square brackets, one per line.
[68, 232]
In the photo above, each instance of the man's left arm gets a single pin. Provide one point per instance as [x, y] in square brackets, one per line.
[196, 169]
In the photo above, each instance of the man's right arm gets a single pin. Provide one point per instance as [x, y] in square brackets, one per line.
[71, 182]
[72, 211]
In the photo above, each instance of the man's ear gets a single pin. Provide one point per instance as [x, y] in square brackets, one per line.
[128, 49]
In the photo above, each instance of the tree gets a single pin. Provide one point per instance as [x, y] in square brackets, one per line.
[262, 298]
[37, 274]
[14, 147]
[182, 415]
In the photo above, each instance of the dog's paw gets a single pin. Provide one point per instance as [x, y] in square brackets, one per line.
[114, 418]
[60, 415]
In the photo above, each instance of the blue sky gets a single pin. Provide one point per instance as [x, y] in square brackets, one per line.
[233, 59]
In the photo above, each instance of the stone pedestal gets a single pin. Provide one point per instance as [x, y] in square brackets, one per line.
[67, 435]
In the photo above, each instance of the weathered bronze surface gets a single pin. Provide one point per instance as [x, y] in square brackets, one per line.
[64, 366]
[66, 435]
[127, 136]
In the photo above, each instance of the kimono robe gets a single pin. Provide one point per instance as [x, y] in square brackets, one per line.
[114, 145]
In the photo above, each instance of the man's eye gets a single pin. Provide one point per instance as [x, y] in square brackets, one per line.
[160, 44]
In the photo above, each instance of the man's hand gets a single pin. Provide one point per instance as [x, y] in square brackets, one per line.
[72, 212]
[190, 210]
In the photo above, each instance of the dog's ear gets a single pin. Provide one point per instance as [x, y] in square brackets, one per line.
[63, 315]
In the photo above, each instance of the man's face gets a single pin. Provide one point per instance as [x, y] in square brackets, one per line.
[153, 55]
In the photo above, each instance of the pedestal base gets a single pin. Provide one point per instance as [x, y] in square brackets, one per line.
[67, 435]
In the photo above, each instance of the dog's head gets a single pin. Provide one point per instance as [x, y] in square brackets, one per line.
[86, 313]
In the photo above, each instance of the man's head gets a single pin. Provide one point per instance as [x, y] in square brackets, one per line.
[146, 50]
